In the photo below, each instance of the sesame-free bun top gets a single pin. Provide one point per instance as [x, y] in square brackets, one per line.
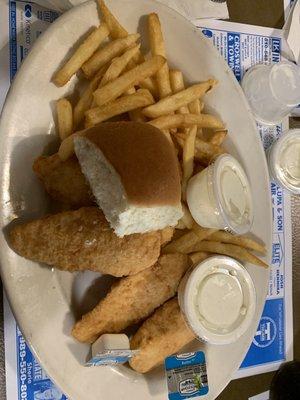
[143, 157]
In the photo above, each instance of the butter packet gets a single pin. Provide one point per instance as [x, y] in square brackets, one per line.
[110, 349]
[110, 357]
[186, 375]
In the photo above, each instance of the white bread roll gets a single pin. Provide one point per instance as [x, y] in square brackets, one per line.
[133, 172]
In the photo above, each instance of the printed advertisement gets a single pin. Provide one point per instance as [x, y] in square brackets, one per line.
[242, 49]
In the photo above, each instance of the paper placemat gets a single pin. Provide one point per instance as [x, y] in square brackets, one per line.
[242, 46]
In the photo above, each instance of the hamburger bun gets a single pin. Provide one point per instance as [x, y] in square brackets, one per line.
[133, 173]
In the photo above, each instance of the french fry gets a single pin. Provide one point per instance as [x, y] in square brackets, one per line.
[134, 114]
[116, 30]
[199, 257]
[218, 137]
[64, 118]
[130, 90]
[188, 152]
[86, 100]
[180, 225]
[157, 47]
[195, 107]
[66, 148]
[137, 115]
[177, 100]
[150, 84]
[204, 152]
[81, 55]
[107, 53]
[230, 250]
[133, 77]
[187, 120]
[187, 219]
[202, 233]
[242, 241]
[118, 65]
[123, 104]
[178, 233]
[200, 134]
[177, 85]
[186, 243]
[157, 44]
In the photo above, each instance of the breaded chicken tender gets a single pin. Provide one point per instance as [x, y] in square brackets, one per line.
[161, 335]
[63, 180]
[133, 298]
[82, 240]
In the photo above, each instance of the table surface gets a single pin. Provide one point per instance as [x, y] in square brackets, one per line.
[255, 12]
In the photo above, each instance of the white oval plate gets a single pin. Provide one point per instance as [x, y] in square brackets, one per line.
[44, 300]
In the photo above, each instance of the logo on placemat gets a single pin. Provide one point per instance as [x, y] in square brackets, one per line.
[207, 33]
[28, 10]
[266, 332]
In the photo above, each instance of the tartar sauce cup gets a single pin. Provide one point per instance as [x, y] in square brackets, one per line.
[284, 161]
[218, 300]
[220, 196]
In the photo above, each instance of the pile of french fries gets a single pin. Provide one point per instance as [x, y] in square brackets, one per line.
[199, 243]
[121, 83]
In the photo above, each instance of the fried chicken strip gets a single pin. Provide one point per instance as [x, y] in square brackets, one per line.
[133, 298]
[63, 180]
[161, 335]
[82, 240]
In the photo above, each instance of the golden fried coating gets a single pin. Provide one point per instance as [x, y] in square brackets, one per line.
[82, 240]
[63, 180]
[161, 335]
[133, 298]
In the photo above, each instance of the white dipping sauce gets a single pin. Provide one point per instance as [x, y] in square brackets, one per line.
[284, 161]
[220, 196]
[212, 308]
[217, 299]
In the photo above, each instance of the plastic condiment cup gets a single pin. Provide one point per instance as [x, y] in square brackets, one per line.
[284, 161]
[218, 300]
[272, 90]
[220, 196]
